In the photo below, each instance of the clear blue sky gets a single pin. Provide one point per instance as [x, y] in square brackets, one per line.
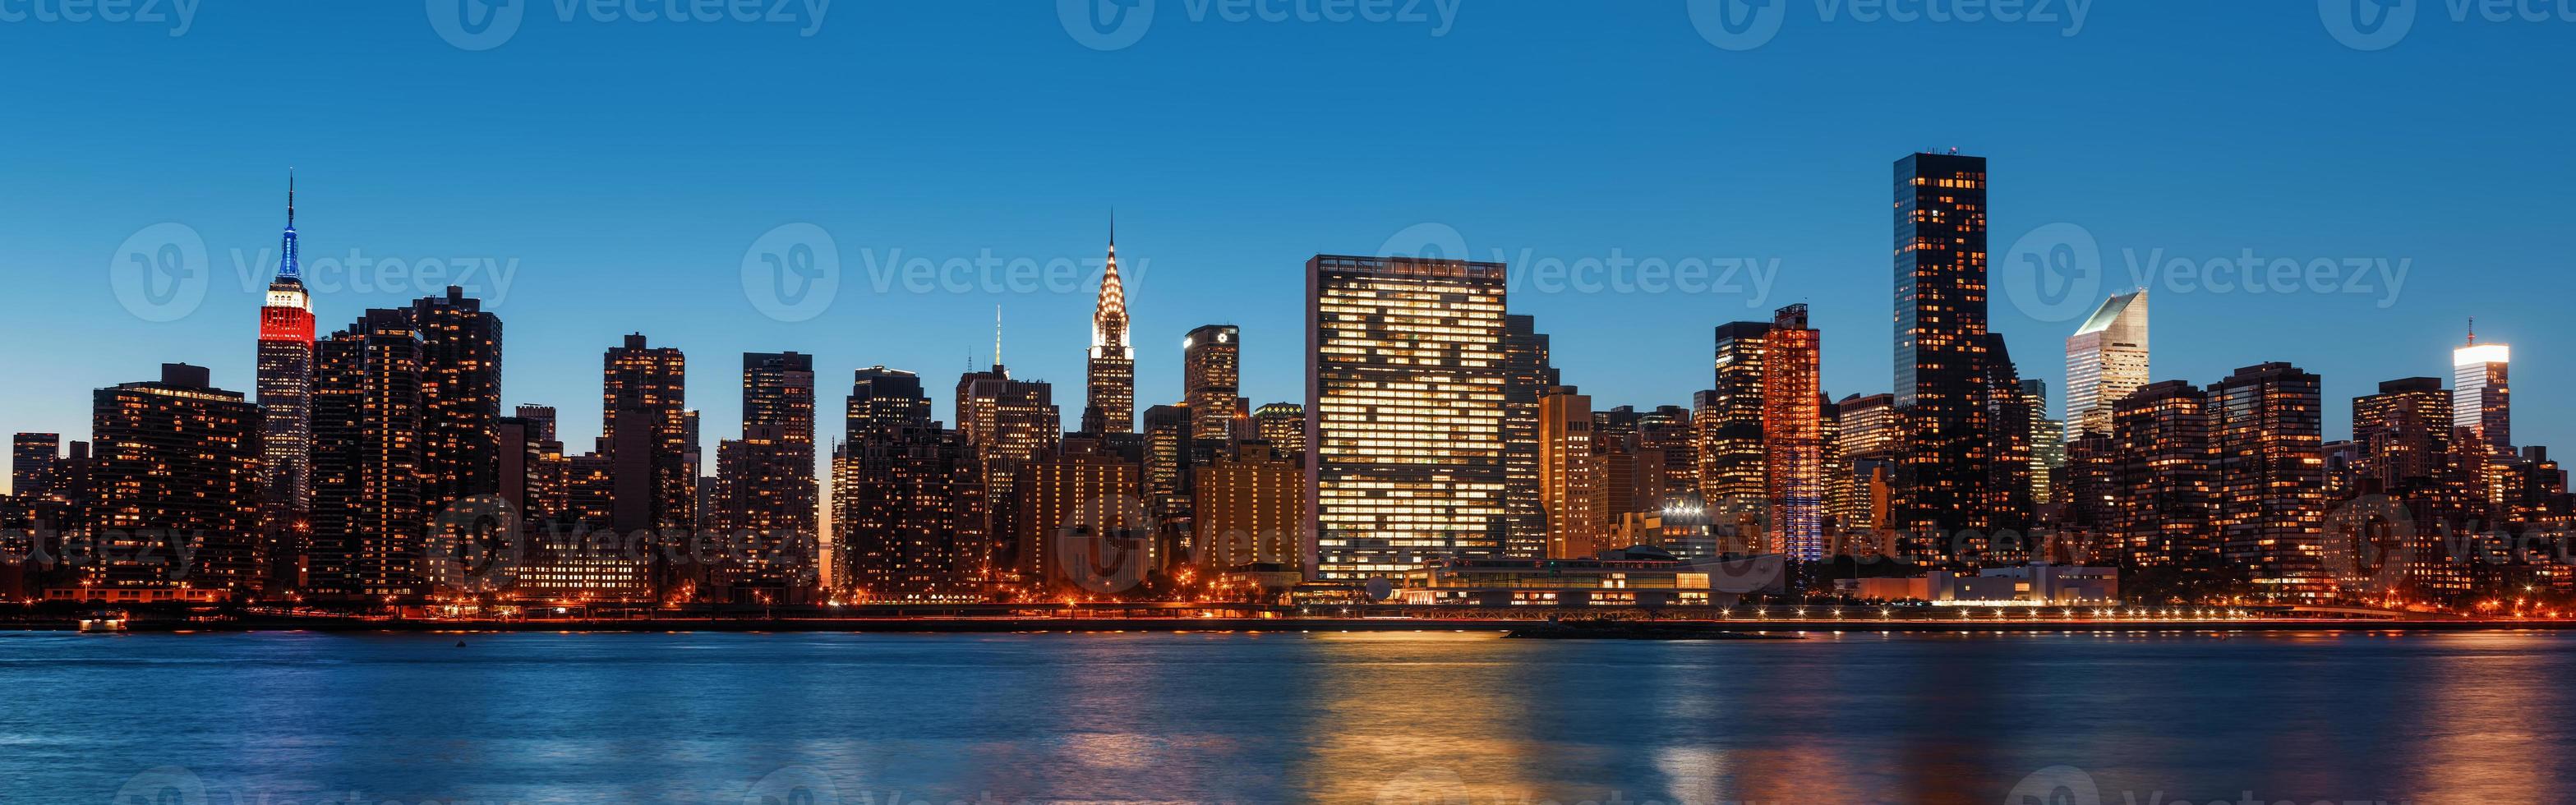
[627, 166]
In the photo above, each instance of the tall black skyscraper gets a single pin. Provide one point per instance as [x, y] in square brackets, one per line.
[1528, 376]
[1944, 472]
[33, 458]
[460, 388]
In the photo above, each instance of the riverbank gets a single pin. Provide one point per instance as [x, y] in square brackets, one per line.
[1012, 625]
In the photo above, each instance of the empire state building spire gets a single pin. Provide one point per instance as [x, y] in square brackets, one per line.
[287, 268]
[1110, 394]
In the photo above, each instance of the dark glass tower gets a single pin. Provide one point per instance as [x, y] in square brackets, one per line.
[1942, 384]
[1212, 379]
[1527, 377]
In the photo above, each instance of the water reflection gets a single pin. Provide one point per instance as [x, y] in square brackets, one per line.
[1395, 717]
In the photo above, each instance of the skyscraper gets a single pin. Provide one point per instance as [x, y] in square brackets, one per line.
[909, 496]
[1404, 411]
[1944, 468]
[1109, 395]
[1793, 435]
[285, 392]
[2266, 436]
[1283, 425]
[644, 431]
[2105, 360]
[2047, 442]
[367, 474]
[1211, 377]
[2164, 479]
[33, 462]
[766, 498]
[1008, 423]
[2006, 512]
[1574, 478]
[460, 388]
[177, 479]
[1249, 506]
[2404, 431]
[2480, 397]
[1731, 452]
[1527, 377]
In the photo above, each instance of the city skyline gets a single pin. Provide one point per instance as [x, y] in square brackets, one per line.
[1705, 168]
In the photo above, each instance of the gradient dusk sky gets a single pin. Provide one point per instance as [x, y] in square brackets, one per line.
[625, 167]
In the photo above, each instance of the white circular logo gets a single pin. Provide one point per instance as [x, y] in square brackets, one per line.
[2367, 25]
[2052, 274]
[2056, 785]
[1106, 545]
[476, 24]
[794, 785]
[1106, 24]
[1738, 25]
[160, 273]
[163, 785]
[792, 272]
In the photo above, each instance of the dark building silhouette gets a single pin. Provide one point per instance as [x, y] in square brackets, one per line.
[177, 483]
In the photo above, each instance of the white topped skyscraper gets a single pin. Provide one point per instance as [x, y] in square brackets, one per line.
[2480, 401]
[2106, 360]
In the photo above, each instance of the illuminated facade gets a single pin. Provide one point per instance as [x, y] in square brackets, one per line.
[1008, 423]
[1574, 475]
[1527, 377]
[1731, 451]
[2481, 400]
[1211, 382]
[2404, 431]
[1283, 425]
[2106, 359]
[1944, 467]
[1793, 438]
[2265, 434]
[460, 387]
[177, 480]
[367, 498]
[766, 499]
[1082, 521]
[1109, 396]
[284, 386]
[34, 464]
[1251, 508]
[1404, 412]
[2164, 476]
[908, 497]
[2047, 442]
[645, 430]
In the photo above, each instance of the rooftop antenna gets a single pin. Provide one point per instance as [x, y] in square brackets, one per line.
[997, 336]
[2473, 331]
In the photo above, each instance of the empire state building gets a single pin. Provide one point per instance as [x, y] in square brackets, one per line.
[285, 387]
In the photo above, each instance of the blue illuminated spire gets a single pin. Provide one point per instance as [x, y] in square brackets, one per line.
[286, 266]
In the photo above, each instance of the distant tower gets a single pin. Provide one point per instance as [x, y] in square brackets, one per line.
[1110, 404]
[2105, 360]
[1211, 374]
[2479, 396]
[285, 396]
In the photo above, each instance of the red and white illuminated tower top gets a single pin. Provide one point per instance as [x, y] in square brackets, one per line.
[287, 315]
